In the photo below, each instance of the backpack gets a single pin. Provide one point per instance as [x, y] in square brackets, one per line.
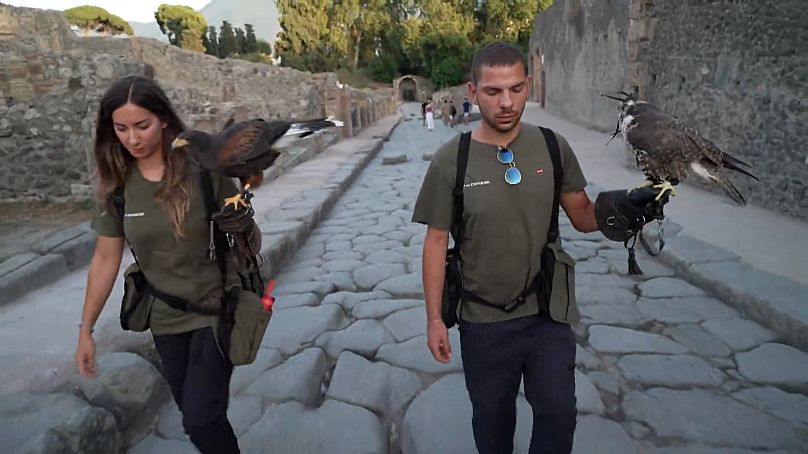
[454, 110]
[243, 319]
[541, 284]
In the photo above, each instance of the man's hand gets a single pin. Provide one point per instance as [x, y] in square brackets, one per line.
[437, 338]
[622, 213]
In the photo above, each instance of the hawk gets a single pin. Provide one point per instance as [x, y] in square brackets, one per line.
[667, 150]
[243, 150]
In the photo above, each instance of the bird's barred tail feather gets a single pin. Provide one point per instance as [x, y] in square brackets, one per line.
[733, 163]
[725, 184]
[305, 128]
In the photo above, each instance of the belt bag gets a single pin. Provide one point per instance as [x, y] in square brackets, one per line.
[242, 326]
[242, 319]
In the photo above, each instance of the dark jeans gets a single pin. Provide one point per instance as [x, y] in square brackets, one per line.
[199, 378]
[496, 356]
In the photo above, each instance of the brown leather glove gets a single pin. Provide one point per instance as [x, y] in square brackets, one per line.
[243, 233]
[231, 220]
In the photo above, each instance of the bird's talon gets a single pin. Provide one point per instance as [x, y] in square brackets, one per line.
[664, 188]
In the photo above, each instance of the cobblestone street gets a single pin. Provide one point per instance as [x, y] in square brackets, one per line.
[663, 367]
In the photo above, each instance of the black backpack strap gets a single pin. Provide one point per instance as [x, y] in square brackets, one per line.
[218, 243]
[119, 201]
[558, 178]
[457, 193]
[552, 234]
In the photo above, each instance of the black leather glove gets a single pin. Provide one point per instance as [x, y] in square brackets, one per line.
[621, 214]
[231, 220]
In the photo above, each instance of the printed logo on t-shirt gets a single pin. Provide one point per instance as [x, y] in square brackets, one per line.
[134, 215]
[476, 183]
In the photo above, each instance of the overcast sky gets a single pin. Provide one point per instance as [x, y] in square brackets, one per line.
[131, 10]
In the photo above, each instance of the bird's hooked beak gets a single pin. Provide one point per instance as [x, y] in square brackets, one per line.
[179, 143]
[616, 98]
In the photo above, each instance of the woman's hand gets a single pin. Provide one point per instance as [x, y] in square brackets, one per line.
[85, 354]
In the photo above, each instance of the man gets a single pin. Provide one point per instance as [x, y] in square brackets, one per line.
[446, 112]
[505, 230]
[466, 110]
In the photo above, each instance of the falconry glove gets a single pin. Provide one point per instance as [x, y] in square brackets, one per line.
[621, 214]
[242, 233]
[232, 220]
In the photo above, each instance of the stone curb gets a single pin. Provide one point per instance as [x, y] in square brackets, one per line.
[71, 248]
[282, 238]
[776, 302]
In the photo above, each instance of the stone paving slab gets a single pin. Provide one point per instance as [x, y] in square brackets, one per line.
[775, 301]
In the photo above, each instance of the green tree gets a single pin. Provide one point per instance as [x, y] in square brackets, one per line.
[507, 20]
[212, 42]
[177, 20]
[356, 25]
[446, 57]
[383, 68]
[241, 41]
[305, 41]
[192, 40]
[251, 45]
[263, 47]
[228, 45]
[91, 16]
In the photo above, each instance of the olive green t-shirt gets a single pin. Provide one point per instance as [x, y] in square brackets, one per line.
[176, 266]
[505, 226]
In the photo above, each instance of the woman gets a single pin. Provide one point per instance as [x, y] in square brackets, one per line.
[430, 116]
[164, 220]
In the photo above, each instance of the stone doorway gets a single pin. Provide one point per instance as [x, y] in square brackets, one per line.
[408, 90]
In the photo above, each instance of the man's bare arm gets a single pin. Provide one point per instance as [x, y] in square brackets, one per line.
[580, 210]
[434, 270]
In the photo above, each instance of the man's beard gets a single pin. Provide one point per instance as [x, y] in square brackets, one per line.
[493, 123]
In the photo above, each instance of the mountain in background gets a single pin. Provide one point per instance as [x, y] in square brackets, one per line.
[148, 30]
[262, 14]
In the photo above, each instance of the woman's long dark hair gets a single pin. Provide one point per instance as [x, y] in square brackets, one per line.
[113, 161]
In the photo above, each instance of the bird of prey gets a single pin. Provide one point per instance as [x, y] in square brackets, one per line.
[243, 150]
[667, 150]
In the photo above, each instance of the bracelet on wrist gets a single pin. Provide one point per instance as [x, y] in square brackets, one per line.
[82, 325]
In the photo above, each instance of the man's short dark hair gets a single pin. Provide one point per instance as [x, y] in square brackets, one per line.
[496, 54]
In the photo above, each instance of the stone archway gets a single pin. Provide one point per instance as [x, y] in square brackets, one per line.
[410, 88]
[407, 89]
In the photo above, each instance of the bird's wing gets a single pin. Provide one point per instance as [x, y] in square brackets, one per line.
[661, 139]
[249, 140]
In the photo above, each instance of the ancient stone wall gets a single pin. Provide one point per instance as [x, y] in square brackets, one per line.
[584, 48]
[51, 82]
[737, 71]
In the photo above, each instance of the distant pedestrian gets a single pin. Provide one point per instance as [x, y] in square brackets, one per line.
[423, 113]
[466, 110]
[429, 115]
[445, 112]
[452, 114]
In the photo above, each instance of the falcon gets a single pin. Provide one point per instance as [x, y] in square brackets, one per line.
[667, 150]
[243, 150]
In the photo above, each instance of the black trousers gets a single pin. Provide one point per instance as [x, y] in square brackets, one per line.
[496, 356]
[199, 378]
